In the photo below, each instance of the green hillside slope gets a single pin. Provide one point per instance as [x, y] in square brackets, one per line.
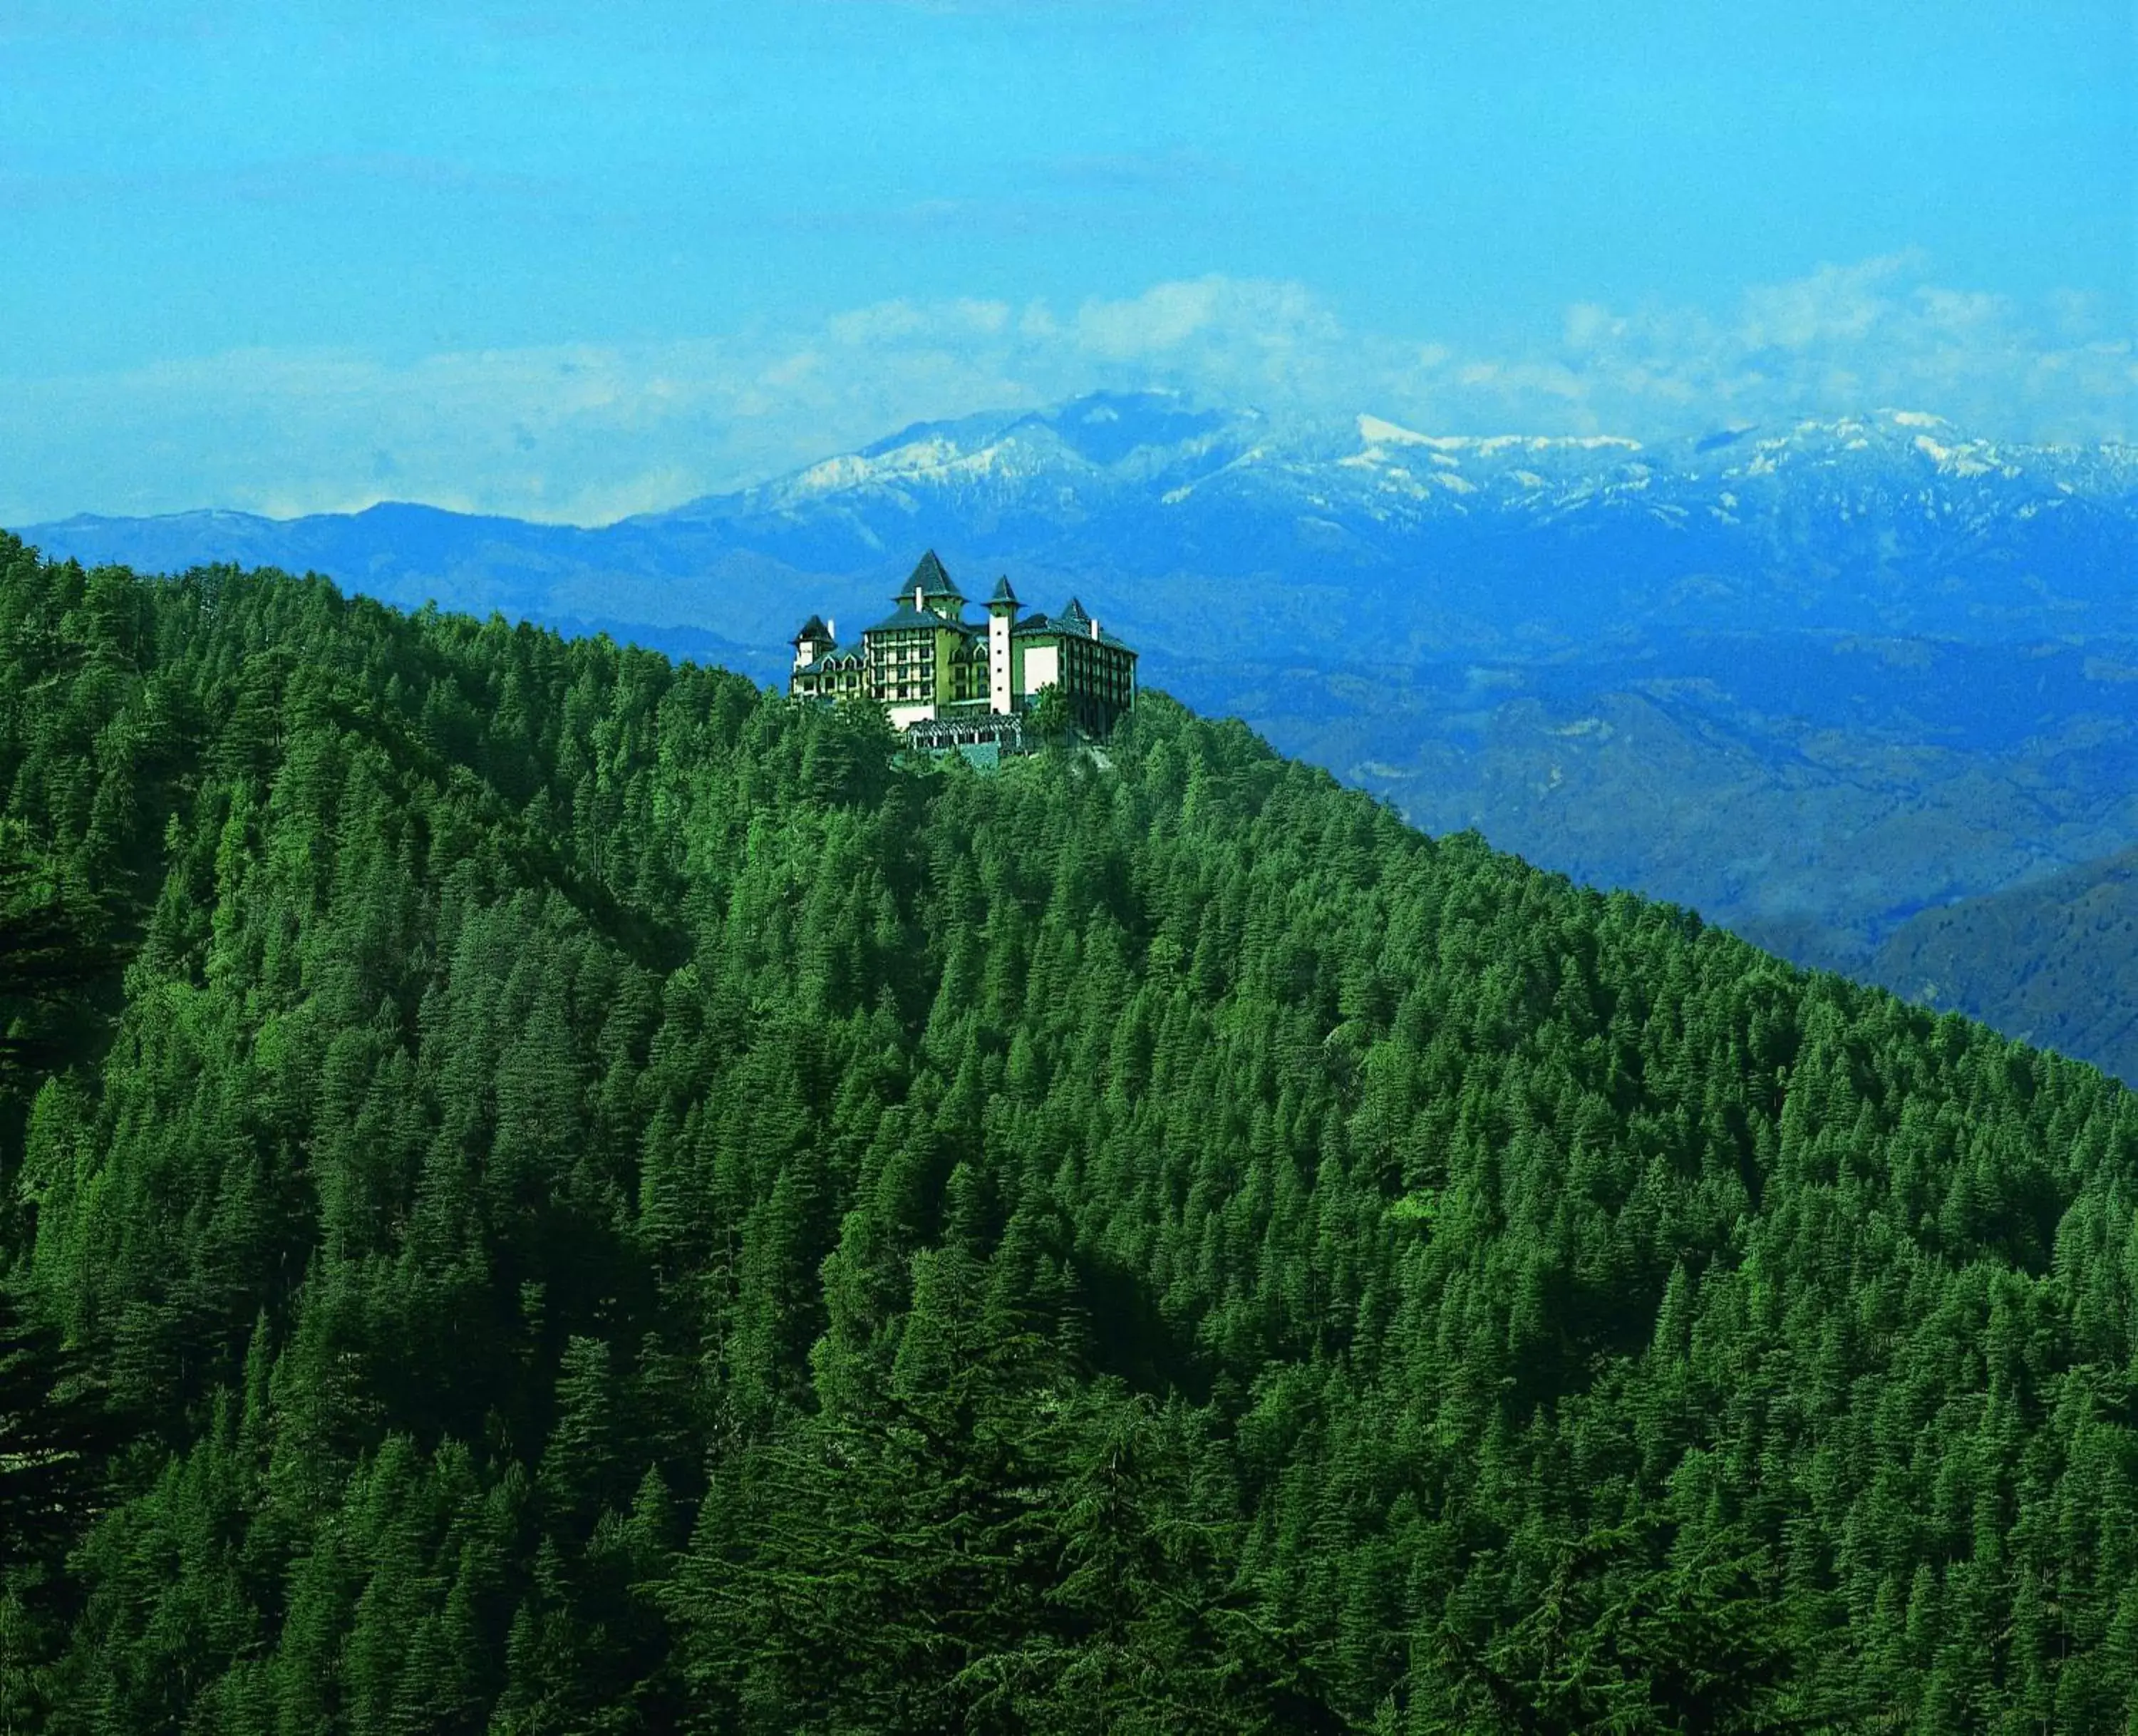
[2052, 960]
[1810, 791]
[600, 1202]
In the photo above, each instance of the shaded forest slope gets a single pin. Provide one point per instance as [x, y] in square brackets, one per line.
[600, 1202]
[2055, 959]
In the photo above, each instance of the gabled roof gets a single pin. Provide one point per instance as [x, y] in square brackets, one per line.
[1075, 611]
[932, 579]
[830, 663]
[812, 628]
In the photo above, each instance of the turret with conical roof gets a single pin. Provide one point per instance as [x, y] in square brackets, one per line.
[1002, 624]
[813, 641]
[931, 588]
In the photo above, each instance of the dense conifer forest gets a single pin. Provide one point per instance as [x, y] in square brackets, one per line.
[544, 1190]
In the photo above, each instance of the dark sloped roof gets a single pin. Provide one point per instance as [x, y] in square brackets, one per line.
[831, 662]
[812, 628]
[905, 614]
[932, 579]
[1073, 622]
[1001, 591]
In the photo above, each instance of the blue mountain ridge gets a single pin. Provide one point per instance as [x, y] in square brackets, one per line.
[1894, 523]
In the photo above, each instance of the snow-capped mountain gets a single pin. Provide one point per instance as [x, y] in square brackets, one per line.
[1884, 522]
[1244, 533]
[1109, 451]
[1892, 522]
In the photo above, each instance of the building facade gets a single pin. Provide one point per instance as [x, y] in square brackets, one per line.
[940, 676]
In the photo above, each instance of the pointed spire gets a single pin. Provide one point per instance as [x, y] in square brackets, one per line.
[929, 579]
[812, 628]
[1002, 592]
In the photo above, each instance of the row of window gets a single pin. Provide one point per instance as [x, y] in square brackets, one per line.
[922, 692]
[1082, 680]
[901, 666]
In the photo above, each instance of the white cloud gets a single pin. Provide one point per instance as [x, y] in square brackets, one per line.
[1835, 304]
[587, 432]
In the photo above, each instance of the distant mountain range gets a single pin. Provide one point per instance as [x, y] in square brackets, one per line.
[1816, 680]
[1892, 524]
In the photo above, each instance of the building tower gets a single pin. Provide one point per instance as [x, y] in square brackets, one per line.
[813, 641]
[1001, 618]
[933, 590]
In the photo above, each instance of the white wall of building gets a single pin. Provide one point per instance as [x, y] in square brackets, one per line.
[1043, 666]
[998, 693]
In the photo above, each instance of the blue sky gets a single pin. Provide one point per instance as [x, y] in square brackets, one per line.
[575, 262]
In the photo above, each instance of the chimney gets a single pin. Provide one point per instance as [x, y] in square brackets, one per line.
[832, 627]
[1095, 627]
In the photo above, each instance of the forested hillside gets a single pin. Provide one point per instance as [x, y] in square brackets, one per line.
[2054, 959]
[546, 1190]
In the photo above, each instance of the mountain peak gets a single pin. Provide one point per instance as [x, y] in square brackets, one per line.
[1374, 432]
